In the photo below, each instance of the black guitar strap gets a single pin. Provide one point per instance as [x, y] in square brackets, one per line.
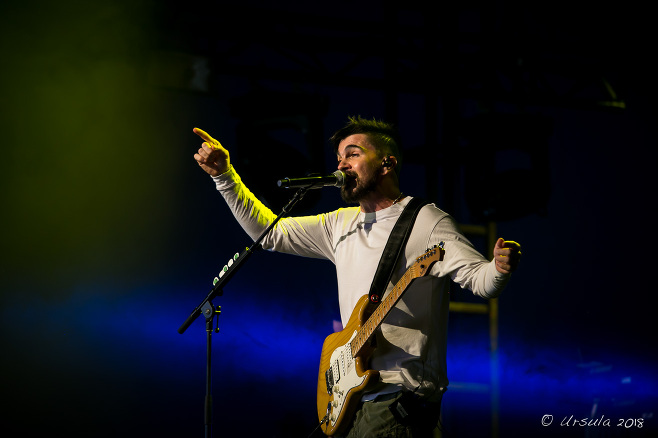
[394, 247]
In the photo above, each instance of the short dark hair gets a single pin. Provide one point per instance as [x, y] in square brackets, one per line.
[383, 135]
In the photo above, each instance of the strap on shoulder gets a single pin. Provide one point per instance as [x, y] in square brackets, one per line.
[394, 247]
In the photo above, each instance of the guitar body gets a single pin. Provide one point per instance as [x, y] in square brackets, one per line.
[344, 375]
[342, 378]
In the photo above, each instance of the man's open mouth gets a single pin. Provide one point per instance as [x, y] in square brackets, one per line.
[350, 180]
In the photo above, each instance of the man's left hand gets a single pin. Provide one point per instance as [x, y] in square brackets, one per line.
[507, 255]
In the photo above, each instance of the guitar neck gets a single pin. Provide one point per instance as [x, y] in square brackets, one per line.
[375, 320]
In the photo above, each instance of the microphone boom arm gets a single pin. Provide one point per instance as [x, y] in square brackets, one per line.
[217, 288]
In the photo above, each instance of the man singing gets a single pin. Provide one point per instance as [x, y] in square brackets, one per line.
[410, 343]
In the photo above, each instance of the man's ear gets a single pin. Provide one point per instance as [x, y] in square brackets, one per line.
[389, 163]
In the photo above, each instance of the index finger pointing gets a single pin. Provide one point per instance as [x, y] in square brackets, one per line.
[204, 135]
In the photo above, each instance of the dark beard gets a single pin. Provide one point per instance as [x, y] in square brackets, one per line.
[353, 196]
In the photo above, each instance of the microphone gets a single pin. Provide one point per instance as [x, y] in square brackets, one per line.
[336, 179]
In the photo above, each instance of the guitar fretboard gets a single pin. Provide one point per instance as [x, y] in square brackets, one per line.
[419, 268]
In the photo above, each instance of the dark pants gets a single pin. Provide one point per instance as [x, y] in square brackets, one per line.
[395, 416]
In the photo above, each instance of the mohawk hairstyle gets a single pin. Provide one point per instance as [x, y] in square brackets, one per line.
[383, 135]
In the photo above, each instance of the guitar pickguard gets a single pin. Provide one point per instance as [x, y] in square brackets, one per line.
[341, 378]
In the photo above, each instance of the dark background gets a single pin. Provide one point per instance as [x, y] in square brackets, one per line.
[538, 116]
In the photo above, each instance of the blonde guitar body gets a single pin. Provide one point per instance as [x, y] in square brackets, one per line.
[343, 378]
[344, 375]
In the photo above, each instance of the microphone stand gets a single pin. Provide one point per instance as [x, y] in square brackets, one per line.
[209, 311]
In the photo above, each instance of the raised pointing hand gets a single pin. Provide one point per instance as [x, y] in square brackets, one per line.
[212, 157]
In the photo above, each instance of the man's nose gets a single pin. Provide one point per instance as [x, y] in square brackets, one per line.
[342, 165]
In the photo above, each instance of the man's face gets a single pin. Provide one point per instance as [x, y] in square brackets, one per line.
[360, 162]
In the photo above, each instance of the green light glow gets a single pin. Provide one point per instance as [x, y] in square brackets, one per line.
[81, 142]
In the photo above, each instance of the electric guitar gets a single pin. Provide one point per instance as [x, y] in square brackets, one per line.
[344, 374]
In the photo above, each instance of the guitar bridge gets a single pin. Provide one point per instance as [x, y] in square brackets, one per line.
[329, 378]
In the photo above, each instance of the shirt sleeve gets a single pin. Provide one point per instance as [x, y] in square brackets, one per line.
[308, 236]
[464, 264]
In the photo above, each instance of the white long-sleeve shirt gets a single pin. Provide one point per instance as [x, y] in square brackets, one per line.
[411, 343]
